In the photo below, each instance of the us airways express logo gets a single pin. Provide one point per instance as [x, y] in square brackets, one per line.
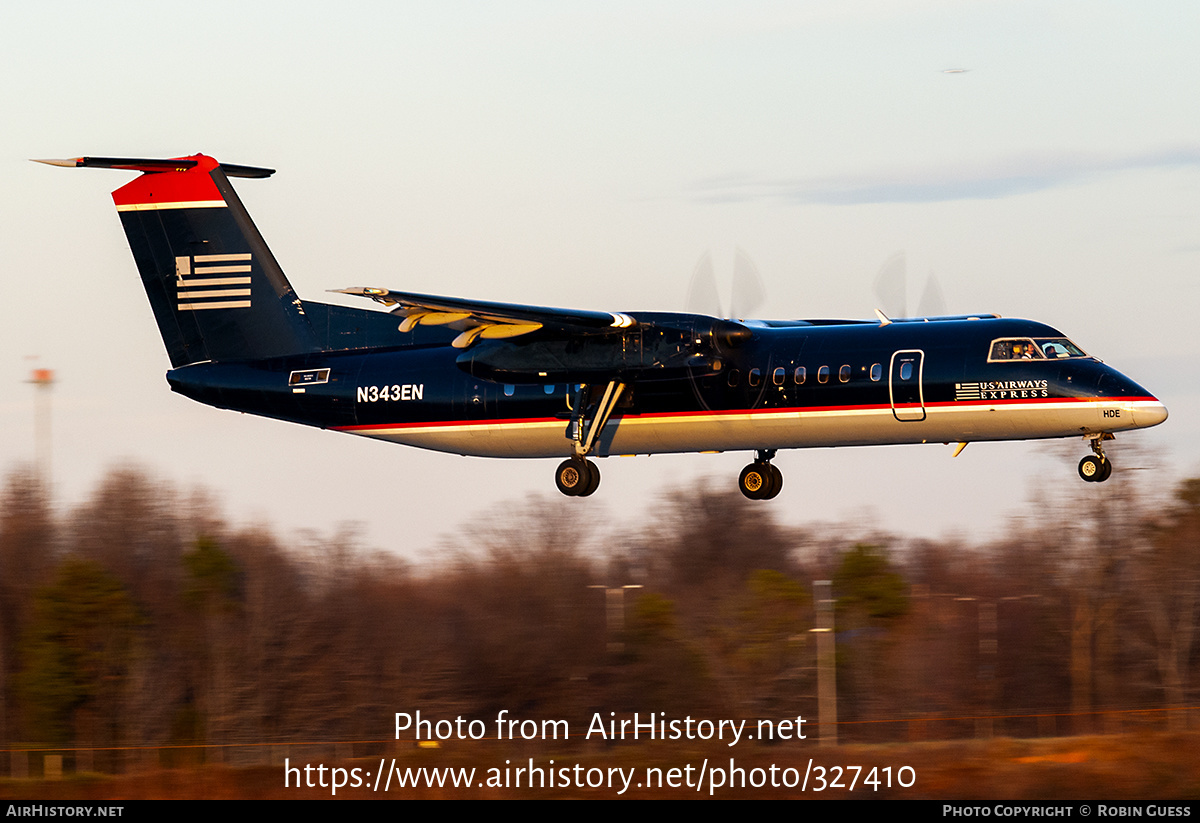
[1002, 390]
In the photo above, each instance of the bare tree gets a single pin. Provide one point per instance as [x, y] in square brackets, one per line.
[27, 547]
[1167, 583]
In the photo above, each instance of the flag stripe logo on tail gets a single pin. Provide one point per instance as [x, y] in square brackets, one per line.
[203, 281]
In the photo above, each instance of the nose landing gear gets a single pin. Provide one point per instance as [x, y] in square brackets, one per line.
[761, 480]
[1096, 468]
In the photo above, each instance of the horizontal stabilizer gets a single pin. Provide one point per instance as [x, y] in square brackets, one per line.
[151, 165]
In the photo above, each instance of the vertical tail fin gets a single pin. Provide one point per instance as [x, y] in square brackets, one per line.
[215, 288]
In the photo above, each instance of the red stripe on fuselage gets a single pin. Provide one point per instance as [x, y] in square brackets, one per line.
[726, 412]
[190, 185]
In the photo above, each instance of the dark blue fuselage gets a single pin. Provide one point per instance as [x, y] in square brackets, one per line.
[789, 386]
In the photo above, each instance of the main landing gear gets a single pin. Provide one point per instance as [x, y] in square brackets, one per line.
[578, 476]
[1096, 468]
[761, 480]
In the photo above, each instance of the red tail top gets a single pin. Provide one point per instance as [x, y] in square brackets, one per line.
[187, 186]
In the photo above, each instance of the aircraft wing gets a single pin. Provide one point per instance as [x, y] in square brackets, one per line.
[482, 319]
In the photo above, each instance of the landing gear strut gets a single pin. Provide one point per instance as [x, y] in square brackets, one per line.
[1096, 468]
[578, 476]
[761, 480]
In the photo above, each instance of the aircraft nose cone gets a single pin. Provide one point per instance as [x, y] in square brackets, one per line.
[1150, 414]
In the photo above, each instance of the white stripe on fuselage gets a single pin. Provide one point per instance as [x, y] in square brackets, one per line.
[776, 429]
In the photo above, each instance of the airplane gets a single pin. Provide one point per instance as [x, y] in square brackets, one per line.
[496, 379]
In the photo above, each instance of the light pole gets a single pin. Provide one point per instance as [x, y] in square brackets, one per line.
[43, 381]
[614, 612]
[826, 663]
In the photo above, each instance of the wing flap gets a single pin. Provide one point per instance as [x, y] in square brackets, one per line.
[491, 321]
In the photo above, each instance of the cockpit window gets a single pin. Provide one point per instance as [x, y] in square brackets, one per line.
[1055, 347]
[1024, 348]
[1015, 348]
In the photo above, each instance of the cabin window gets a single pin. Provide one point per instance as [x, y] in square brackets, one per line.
[844, 374]
[779, 375]
[755, 378]
[877, 372]
[823, 374]
[906, 370]
[548, 389]
[799, 375]
[509, 389]
[734, 377]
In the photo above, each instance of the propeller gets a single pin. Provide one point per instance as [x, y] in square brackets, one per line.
[747, 293]
[891, 290]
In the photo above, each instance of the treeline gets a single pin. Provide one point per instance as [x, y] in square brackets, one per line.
[143, 619]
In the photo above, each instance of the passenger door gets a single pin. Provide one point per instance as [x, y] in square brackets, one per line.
[905, 385]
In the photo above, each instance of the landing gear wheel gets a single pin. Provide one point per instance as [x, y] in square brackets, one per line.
[776, 481]
[575, 476]
[1093, 469]
[760, 481]
[753, 481]
[593, 481]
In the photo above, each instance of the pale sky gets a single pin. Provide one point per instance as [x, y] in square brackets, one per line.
[586, 156]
